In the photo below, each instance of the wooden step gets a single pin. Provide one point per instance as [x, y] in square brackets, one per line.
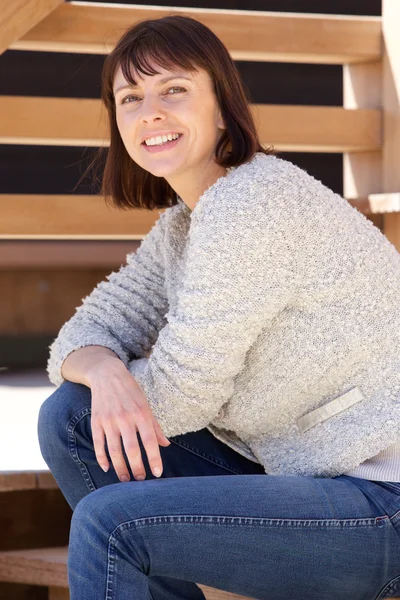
[12, 481]
[48, 567]
[248, 35]
[83, 122]
[64, 254]
[36, 216]
[86, 217]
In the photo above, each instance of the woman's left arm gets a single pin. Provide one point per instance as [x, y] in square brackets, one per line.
[238, 277]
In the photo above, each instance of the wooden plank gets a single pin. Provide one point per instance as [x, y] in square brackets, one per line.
[19, 16]
[318, 128]
[44, 566]
[36, 518]
[21, 591]
[48, 300]
[82, 122]
[51, 254]
[70, 217]
[248, 35]
[17, 481]
[391, 111]
[11, 481]
[362, 171]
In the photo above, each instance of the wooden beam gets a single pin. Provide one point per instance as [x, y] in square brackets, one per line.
[26, 480]
[362, 171]
[318, 128]
[248, 35]
[19, 16]
[48, 300]
[42, 566]
[70, 217]
[64, 254]
[82, 122]
[391, 112]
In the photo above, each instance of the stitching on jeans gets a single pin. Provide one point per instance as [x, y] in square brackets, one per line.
[73, 449]
[391, 588]
[208, 457]
[226, 521]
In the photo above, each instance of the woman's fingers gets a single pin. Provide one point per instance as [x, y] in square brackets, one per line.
[164, 441]
[115, 449]
[98, 443]
[145, 427]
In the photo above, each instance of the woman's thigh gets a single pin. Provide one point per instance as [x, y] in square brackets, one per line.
[268, 537]
[65, 436]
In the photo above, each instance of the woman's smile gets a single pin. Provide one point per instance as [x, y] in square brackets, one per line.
[161, 146]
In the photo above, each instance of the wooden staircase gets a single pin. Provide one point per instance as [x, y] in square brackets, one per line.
[366, 130]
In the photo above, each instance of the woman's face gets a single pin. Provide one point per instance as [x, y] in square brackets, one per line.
[173, 102]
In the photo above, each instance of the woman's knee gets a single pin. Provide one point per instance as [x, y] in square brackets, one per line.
[57, 411]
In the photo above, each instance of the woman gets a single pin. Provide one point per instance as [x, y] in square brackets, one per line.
[270, 308]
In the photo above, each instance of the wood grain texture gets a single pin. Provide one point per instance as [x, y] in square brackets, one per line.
[41, 301]
[391, 112]
[35, 518]
[70, 217]
[64, 254]
[248, 35]
[82, 122]
[28, 480]
[19, 16]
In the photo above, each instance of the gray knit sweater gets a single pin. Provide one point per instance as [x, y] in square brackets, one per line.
[272, 313]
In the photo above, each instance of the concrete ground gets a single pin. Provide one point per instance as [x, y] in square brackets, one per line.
[21, 395]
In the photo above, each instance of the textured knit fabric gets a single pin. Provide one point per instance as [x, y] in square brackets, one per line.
[273, 298]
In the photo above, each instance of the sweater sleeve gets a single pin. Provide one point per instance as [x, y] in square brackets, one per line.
[238, 277]
[124, 313]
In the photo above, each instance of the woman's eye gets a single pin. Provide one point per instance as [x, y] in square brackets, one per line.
[125, 100]
[177, 88]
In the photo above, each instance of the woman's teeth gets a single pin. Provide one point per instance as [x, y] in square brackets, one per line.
[157, 141]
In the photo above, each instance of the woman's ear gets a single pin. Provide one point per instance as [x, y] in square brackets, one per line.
[221, 124]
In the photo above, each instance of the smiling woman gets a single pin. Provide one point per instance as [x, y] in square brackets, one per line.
[152, 87]
[266, 419]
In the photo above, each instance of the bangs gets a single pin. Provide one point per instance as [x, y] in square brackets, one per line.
[150, 47]
[153, 50]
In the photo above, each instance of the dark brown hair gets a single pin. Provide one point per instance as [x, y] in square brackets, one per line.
[170, 42]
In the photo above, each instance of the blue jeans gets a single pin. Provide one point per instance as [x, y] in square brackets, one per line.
[215, 518]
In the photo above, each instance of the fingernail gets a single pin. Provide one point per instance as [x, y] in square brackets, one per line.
[124, 478]
[157, 471]
[105, 468]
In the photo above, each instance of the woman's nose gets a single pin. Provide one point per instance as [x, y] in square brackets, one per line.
[151, 110]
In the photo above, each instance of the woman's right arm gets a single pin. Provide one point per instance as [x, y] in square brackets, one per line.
[120, 319]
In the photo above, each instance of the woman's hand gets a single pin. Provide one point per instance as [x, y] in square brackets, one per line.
[120, 408]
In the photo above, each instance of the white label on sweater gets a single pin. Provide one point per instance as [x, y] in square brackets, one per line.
[329, 410]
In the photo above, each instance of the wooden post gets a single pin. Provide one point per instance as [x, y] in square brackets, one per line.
[391, 113]
[362, 171]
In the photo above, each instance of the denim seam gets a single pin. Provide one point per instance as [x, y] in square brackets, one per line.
[73, 449]
[208, 457]
[396, 517]
[226, 521]
[392, 587]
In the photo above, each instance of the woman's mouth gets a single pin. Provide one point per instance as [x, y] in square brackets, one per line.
[163, 146]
